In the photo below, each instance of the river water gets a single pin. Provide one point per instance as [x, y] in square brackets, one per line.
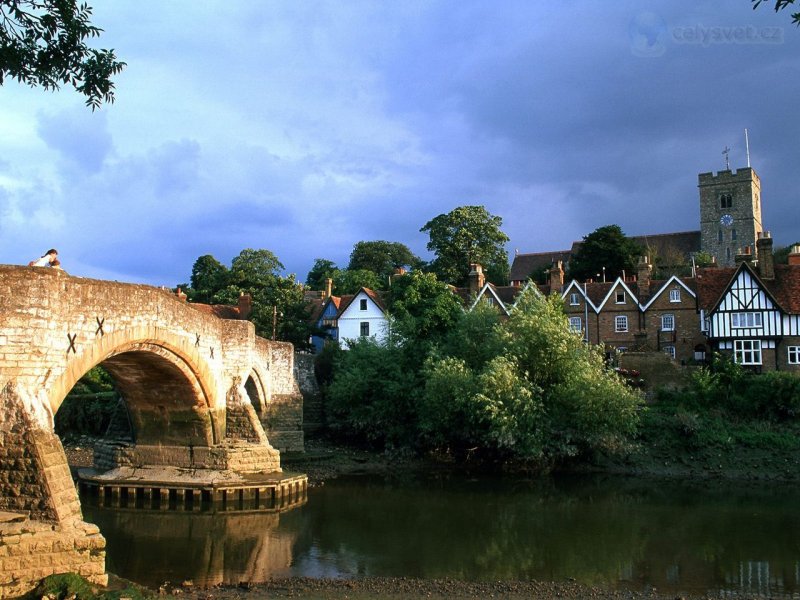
[610, 531]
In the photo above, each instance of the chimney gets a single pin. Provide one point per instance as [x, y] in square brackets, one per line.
[794, 255]
[245, 305]
[744, 255]
[181, 296]
[476, 278]
[556, 277]
[643, 272]
[766, 262]
[328, 288]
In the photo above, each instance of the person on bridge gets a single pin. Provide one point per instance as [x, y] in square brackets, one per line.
[47, 259]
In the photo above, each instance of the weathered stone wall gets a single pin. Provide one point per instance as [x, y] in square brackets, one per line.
[313, 409]
[237, 456]
[33, 550]
[282, 414]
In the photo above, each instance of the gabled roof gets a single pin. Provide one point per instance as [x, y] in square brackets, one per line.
[346, 301]
[783, 290]
[632, 292]
[660, 286]
[579, 288]
[489, 289]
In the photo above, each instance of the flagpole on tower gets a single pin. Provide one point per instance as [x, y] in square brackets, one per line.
[747, 145]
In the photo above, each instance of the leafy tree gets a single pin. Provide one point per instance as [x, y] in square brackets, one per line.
[780, 5]
[349, 281]
[254, 268]
[703, 259]
[209, 276]
[381, 257]
[467, 234]
[424, 309]
[322, 270]
[606, 247]
[42, 43]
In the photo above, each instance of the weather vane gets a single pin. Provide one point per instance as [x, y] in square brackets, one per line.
[726, 152]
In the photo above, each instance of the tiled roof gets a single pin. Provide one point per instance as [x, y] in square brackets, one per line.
[784, 288]
[685, 242]
[525, 264]
[711, 284]
[347, 300]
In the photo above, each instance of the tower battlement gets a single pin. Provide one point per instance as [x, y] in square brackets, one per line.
[727, 176]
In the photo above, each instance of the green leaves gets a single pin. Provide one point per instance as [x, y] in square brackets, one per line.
[42, 43]
[604, 251]
[467, 234]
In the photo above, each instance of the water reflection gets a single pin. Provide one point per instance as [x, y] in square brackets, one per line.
[607, 531]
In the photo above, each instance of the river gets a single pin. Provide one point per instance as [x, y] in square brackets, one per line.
[609, 531]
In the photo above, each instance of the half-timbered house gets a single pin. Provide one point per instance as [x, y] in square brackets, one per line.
[753, 314]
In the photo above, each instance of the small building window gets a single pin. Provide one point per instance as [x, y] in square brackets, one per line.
[747, 352]
[742, 320]
[675, 295]
[728, 253]
[733, 234]
[794, 355]
[620, 297]
[364, 328]
[670, 351]
[621, 324]
[363, 304]
[719, 235]
[726, 201]
[573, 299]
[575, 324]
[667, 322]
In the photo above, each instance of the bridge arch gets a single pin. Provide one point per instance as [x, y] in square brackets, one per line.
[169, 389]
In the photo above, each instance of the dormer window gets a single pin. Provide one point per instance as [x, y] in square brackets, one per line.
[363, 304]
[675, 295]
[620, 297]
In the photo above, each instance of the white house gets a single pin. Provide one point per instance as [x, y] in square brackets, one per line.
[362, 315]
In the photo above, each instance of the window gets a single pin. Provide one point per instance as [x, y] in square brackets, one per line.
[726, 201]
[364, 328]
[745, 319]
[733, 234]
[667, 322]
[363, 304]
[575, 324]
[747, 352]
[794, 355]
[621, 324]
[573, 299]
[675, 295]
[670, 351]
[620, 297]
[719, 235]
[728, 253]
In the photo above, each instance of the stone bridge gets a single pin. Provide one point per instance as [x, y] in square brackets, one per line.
[197, 389]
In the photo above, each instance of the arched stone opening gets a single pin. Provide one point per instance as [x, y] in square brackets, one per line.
[255, 390]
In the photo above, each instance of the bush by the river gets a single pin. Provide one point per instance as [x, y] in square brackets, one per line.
[526, 388]
[89, 407]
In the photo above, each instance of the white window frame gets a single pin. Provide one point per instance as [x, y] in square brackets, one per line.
[668, 322]
[573, 299]
[620, 324]
[747, 352]
[794, 355]
[675, 295]
[576, 324]
[670, 351]
[617, 298]
[746, 320]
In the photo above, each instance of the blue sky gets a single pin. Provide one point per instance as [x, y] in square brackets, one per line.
[305, 127]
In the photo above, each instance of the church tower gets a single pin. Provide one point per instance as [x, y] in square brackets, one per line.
[730, 213]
